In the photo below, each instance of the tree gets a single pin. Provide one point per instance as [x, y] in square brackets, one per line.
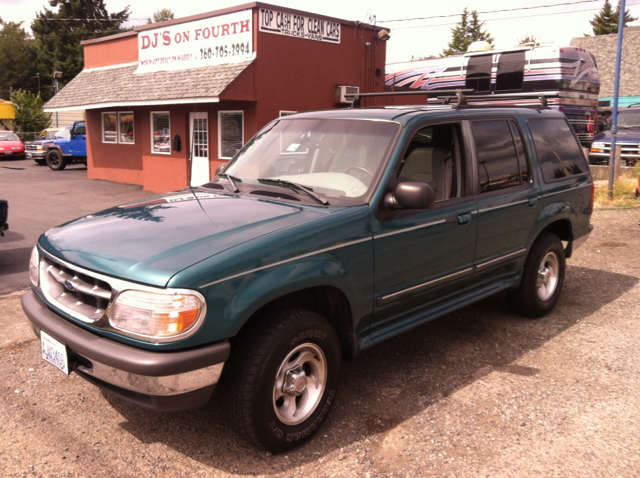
[467, 30]
[17, 60]
[29, 114]
[605, 22]
[161, 16]
[59, 35]
[528, 39]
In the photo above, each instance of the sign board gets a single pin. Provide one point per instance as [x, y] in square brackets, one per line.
[210, 41]
[294, 25]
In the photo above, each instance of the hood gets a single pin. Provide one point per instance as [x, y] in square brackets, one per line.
[40, 141]
[624, 136]
[151, 240]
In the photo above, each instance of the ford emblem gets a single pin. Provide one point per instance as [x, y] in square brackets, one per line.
[69, 285]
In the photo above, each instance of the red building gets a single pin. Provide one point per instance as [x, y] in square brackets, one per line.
[168, 102]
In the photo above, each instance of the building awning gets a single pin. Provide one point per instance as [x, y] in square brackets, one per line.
[121, 86]
[7, 111]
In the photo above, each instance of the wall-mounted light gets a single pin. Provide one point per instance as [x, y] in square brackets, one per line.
[383, 35]
[57, 75]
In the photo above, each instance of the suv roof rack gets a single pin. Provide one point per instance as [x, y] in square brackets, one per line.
[445, 95]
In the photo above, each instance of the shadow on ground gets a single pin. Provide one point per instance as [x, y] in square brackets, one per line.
[389, 383]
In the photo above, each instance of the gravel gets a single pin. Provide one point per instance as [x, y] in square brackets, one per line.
[480, 392]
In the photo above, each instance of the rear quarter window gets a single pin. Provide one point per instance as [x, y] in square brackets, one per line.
[558, 149]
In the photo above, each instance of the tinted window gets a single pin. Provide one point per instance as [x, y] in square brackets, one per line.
[522, 160]
[479, 73]
[558, 150]
[510, 74]
[497, 158]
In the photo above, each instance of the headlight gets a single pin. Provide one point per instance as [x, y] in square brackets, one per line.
[33, 266]
[154, 315]
[40, 147]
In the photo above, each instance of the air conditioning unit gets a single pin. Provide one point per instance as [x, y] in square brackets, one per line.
[346, 94]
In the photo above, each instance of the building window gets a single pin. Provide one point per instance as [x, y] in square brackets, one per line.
[230, 133]
[161, 133]
[125, 125]
[109, 127]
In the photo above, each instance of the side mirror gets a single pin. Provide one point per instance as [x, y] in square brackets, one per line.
[220, 168]
[410, 195]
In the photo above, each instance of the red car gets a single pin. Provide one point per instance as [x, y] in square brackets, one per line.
[11, 145]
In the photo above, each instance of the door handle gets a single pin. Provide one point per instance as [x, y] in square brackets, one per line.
[533, 202]
[464, 218]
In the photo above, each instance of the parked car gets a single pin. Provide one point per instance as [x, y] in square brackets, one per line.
[11, 145]
[628, 139]
[4, 215]
[37, 150]
[328, 233]
[68, 150]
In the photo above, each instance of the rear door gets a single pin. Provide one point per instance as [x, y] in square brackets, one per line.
[508, 201]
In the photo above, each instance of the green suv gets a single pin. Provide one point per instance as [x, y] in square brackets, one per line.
[328, 232]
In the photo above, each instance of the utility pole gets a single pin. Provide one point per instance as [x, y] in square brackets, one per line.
[614, 126]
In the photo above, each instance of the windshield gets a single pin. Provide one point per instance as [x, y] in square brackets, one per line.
[332, 157]
[64, 133]
[629, 119]
[4, 136]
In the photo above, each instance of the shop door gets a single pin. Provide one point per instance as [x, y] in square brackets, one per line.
[199, 135]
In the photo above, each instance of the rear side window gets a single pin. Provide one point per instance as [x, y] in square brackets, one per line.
[558, 149]
[497, 152]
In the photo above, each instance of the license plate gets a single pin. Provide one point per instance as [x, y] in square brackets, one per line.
[54, 352]
[8, 152]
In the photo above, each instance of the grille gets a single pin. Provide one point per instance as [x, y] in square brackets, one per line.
[81, 295]
[31, 147]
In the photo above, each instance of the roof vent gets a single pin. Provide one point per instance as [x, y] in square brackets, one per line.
[479, 46]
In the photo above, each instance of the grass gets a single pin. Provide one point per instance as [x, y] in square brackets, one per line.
[623, 193]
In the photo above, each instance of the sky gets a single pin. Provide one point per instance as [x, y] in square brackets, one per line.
[418, 29]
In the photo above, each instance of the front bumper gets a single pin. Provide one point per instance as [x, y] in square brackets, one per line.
[166, 381]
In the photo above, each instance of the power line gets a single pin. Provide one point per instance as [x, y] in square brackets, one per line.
[491, 11]
[505, 18]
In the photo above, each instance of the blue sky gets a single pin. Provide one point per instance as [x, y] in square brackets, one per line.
[557, 24]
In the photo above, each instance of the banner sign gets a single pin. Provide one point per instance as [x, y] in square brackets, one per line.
[211, 41]
[293, 25]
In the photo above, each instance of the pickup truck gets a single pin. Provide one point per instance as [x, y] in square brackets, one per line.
[69, 150]
[37, 150]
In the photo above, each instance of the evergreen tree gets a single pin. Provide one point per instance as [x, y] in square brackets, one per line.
[467, 30]
[59, 35]
[161, 16]
[605, 22]
[528, 39]
[17, 59]
[29, 114]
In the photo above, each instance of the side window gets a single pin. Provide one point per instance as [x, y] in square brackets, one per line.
[510, 75]
[433, 156]
[479, 73]
[498, 166]
[558, 149]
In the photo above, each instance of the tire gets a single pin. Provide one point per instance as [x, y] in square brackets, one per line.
[55, 160]
[292, 349]
[542, 278]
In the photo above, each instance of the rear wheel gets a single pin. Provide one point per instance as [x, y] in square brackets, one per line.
[55, 160]
[542, 278]
[283, 377]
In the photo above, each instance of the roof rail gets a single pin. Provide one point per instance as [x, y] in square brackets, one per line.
[446, 96]
[459, 94]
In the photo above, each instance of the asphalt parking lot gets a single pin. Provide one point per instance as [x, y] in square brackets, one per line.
[40, 199]
[480, 392]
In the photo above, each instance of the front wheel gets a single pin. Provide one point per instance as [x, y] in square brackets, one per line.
[283, 377]
[55, 160]
[542, 278]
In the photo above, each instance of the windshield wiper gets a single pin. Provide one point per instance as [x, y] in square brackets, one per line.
[232, 180]
[298, 187]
